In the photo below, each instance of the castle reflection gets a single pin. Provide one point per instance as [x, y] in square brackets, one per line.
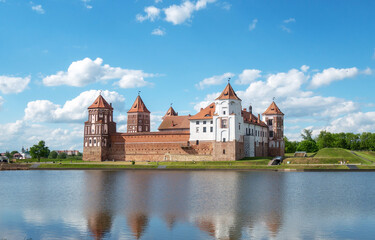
[223, 205]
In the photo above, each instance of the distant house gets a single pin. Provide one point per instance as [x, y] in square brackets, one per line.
[68, 152]
[3, 158]
[17, 156]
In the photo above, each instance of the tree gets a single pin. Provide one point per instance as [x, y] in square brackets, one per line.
[52, 155]
[290, 147]
[62, 155]
[307, 135]
[307, 146]
[39, 150]
[325, 140]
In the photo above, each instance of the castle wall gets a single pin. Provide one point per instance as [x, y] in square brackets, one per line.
[158, 146]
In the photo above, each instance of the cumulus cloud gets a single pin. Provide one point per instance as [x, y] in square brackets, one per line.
[74, 110]
[305, 68]
[152, 13]
[248, 76]
[38, 8]
[253, 24]
[13, 84]
[355, 122]
[178, 14]
[215, 80]
[158, 31]
[86, 71]
[332, 74]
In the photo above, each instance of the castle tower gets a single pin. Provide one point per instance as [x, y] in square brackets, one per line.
[97, 130]
[227, 117]
[274, 118]
[138, 117]
[170, 112]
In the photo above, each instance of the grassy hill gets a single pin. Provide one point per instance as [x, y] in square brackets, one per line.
[330, 156]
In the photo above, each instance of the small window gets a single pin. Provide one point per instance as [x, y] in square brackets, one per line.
[197, 142]
[271, 133]
[269, 122]
[197, 130]
[204, 122]
[224, 112]
[224, 139]
[223, 151]
[204, 129]
[212, 122]
[224, 123]
[211, 129]
[197, 122]
[239, 126]
[94, 141]
[90, 141]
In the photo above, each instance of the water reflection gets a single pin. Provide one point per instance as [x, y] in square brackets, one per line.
[220, 204]
[186, 205]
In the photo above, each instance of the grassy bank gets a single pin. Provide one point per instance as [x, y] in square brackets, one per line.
[67, 160]
[325, 159]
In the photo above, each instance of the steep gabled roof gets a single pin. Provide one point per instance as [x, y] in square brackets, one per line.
[206, 113]
[170, 112]
[175, 122]
[228, 93]
[273, 109]
[100, 102]
[138, 106]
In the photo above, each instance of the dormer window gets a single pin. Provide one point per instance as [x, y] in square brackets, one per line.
[224, 112]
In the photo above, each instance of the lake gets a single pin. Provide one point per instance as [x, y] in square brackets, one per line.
[145, 204]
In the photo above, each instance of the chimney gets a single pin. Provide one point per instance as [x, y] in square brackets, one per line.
[201, 109]
[258, 118]
[251, 109]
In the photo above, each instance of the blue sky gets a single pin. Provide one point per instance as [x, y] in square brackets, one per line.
[315, 57]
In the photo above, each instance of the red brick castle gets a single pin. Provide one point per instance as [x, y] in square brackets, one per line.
[221, 131]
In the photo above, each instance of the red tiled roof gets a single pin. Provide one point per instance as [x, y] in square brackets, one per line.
[273, 109]
[175, 122]
[228, 93]
[251, 118]
[206, 113]
[138, 106]
[100, 102]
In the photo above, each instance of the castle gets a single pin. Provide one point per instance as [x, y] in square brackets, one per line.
[223, 131]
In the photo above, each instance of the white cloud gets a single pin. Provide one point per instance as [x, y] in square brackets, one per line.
[38, 8]
[367, 71]
[13, 84]
[248, 76]
[305, 68]
[355, 122]
[158, 1]
[332, 74]
[289, 20]
[253, 24]
[74, 110]
[178, 14]
[86, 71]
[86, 3]
[152, 13]
[226, 6]
[1, 101]
[215, 80]
[158, 32]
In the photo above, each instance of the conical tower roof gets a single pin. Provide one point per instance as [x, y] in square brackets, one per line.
[228, 93]
[138, 106]
[100, 102]
[273, 109]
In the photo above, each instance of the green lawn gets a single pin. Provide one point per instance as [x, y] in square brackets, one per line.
[67, 160]
[78, 166]
[339, 154]
[367, 154]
